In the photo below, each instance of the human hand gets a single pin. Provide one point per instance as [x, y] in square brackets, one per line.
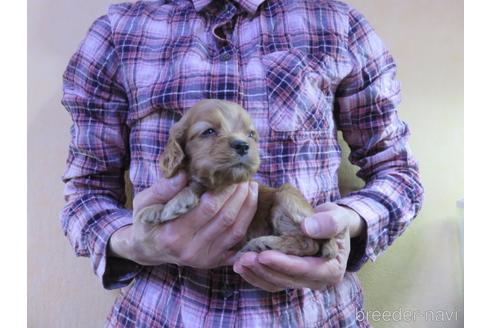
[274, 271]
[200, 238]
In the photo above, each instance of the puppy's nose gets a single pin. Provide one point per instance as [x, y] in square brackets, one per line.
[240, 146]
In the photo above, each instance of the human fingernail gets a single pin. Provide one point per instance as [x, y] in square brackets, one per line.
[244, 262]
[248, 260]
[254, 188]
[177, 179]
[238, 268]
[311, 226]
[263, 259]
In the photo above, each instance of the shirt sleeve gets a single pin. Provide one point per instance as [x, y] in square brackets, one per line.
[366, 111]
[94, 96]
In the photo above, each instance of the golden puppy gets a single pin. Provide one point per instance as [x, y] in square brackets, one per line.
[215, 142]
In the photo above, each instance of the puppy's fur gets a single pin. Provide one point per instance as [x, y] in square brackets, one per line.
[215, 142]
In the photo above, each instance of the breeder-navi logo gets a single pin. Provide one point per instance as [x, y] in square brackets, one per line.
[407, 315]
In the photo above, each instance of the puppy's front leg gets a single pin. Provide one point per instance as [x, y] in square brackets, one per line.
[181, 204]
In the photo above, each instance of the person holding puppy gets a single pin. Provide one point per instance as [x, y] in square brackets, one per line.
[303, 70]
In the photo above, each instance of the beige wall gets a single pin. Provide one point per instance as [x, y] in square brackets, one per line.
[421, 271]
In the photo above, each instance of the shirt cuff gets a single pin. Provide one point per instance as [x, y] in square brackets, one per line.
[114, 272]
[367, 246]
[119, 272]
[357, 256]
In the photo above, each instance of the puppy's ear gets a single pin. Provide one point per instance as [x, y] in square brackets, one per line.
[171, 160]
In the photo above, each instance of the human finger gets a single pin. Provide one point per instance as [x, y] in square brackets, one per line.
[306, 268]
[277, 278]
[323, 225]
[225, 218]
[160, 192]
[252, 278]
[236, 233]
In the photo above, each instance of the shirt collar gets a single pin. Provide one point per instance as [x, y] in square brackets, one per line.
[250, 5]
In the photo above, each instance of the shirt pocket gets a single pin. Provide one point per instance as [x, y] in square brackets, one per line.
[299, 96]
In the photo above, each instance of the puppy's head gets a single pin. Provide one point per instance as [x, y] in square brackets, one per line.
[215, 142]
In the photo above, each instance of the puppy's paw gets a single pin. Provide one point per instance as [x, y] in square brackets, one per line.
[260, 244]
[330, 248]
[150, 214]
[333, 246]
[172, 211]
[182, 204]
[292, 245]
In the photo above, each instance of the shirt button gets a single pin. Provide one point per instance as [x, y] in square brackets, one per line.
[227, 292]
[225, 56]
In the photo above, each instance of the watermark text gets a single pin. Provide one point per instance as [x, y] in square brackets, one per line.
[407, 315]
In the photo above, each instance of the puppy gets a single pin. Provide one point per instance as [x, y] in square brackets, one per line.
[215, 143]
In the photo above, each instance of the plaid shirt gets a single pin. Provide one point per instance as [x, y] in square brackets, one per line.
[303, 70]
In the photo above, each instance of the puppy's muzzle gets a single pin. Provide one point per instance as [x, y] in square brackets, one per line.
[241, 147]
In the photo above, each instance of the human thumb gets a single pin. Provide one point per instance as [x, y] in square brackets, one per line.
[321, 225]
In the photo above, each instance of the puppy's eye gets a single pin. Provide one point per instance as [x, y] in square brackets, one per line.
[251, 134]
[208, 132]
